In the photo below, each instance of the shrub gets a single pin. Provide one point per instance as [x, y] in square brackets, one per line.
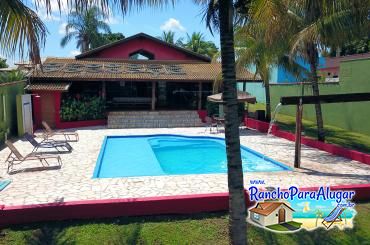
[84, 108]
[11, 76]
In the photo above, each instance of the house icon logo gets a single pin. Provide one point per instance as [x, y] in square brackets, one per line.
[273, 214]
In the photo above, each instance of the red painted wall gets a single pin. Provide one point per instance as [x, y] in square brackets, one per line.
[333, 149]
[160, 51]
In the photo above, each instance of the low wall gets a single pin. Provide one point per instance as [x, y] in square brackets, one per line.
[183, 204]
[330, 148]
[80, 124]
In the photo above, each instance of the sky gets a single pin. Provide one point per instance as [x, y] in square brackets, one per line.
[184, 17]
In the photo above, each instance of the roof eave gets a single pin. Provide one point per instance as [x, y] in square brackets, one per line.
[141, 34]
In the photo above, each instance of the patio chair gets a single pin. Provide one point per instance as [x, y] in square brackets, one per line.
[4, 183]
[15, 157]
[48, 133]
[334, 216]
[60, 147]
[209, 123]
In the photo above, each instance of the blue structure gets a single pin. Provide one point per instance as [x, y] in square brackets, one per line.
[280, 75]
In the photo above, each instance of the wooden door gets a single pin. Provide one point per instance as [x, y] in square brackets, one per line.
[281, 215]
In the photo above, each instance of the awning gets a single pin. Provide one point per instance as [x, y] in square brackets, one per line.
[242, 97]
[63, 87]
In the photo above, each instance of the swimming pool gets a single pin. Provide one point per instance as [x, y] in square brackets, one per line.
[156, 155]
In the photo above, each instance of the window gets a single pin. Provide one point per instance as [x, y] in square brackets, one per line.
[141, 55]
[256, 216]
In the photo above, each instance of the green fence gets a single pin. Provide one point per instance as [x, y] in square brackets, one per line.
[8, 108]
[354, 78]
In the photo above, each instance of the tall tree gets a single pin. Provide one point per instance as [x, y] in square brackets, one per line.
[20, 29]
[196, 42]
[168, 36]
[356, 46]
[312, 25]
[220, 16]
[85, 27]
[106, 38]
[23, 31]
[251, 50]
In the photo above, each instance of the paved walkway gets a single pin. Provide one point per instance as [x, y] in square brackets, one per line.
[74, 180]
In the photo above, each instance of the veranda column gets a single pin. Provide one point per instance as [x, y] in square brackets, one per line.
[103, 90]
[200, 96]
[153, 96]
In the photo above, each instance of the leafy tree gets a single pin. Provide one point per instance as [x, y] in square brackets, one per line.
[11, 76]
[312, 25]
[85, 27]
[197, 43]
[3, 63]
[106, 38]
[358, 46]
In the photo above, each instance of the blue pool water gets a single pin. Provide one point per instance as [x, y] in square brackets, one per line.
[154, 155]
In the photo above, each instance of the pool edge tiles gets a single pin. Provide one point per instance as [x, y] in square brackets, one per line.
[143, 160]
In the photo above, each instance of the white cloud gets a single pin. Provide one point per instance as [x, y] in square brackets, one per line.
[111, 20]
[172, 25]
[62, 29]
[75, 52]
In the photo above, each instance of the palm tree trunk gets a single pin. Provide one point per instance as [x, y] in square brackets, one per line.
[268, 101]
[237, 207]
[313, 57]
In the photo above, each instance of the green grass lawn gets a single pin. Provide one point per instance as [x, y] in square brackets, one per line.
[277, 227]
[191, 229]
[295, 224]
[334, 135]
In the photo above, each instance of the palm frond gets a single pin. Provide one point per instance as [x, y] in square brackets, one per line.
[20, 30]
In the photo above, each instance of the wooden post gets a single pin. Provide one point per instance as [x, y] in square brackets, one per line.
[200, 96]
[103, 90]
[298, 136]
[153, 96]
[244, 86]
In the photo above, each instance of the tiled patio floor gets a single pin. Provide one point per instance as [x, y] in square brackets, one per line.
[74, 180]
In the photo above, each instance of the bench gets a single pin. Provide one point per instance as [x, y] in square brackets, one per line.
[131, 101]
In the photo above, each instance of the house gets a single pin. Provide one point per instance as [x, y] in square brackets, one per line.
[271, 213]
[330, 70]
[139, 73]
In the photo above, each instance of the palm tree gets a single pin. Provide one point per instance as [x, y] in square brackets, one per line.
[20, 29]
[220, 15]
[196, 42]
[251, 50]
[319, 214]
[85, 27]
[312, 25]
[23, 31]
[168, 36]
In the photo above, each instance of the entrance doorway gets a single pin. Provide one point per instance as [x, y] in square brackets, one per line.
[281, 215]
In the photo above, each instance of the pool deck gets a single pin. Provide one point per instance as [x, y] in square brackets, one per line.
[74, 182]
